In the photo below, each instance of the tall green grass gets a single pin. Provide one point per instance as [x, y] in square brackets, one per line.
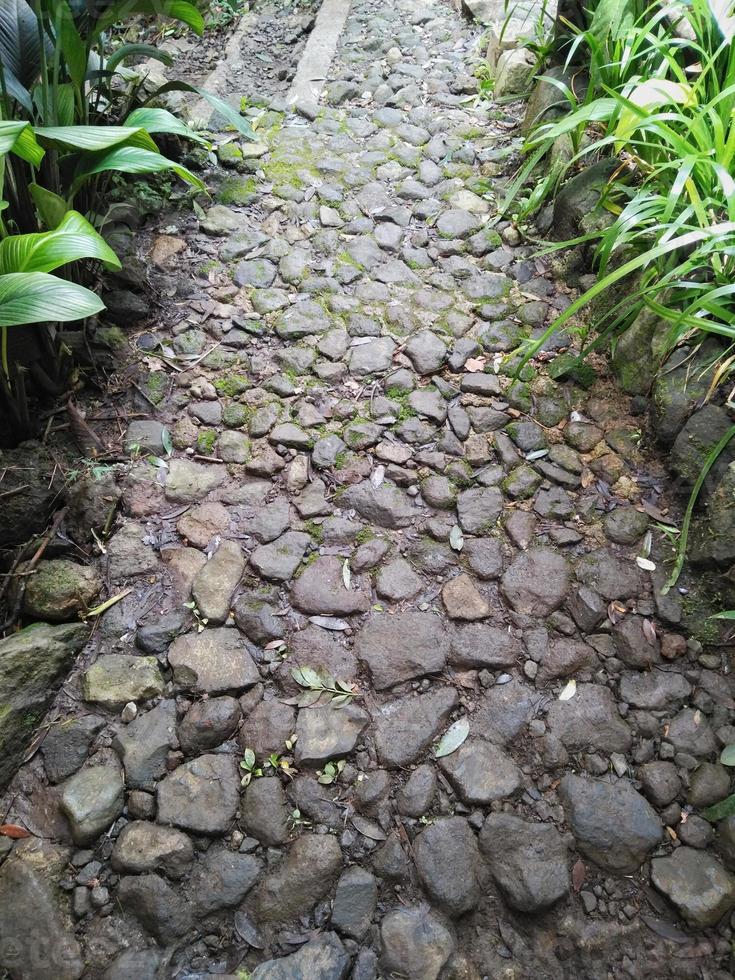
[660, 99]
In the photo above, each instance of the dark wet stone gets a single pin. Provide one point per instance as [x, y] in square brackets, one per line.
[426, 351]
[625, 525]
[264, 811]
[565, 657]
[304, 877]
[655, 689]
[208, 723]
[528, 861]
[267, 727]
[257, 620]
[633, 645]
[139, 963]
[279, 559]
[406, 727]
[690, 732]
[708, 784]
[221, 879]
[480, 772]
[613, 824]
[156, 906]
[354, 902]
[484, 557]
[447, 859]
[478, 509]
[144, 744]
[67, 745]
[402, 646]
[313, 801]
[660, 782]
[417, 795]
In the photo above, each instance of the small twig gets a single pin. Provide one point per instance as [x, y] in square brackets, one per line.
[141, 392]
[104, 606]
[208, 459]
[9, 493]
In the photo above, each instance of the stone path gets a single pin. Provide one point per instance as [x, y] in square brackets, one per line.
[357, 488]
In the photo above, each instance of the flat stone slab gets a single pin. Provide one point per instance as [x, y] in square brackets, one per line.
[406, 727]
[201, 796]
[328, 732]
[402, 646]
[480, 772]
[696, 883]
[213, 661]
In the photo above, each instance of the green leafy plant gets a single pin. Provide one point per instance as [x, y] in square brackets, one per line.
[251, 769]
[200, 620]
[330, 773]
[321, 688]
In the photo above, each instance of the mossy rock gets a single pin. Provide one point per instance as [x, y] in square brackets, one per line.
[232, 385]
[237, 190]
[235, 415]
[206, 440]
[60, 589]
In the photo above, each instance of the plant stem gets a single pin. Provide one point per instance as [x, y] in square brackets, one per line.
[682, 545]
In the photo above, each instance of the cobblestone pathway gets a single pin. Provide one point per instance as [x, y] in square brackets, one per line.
[383, 506]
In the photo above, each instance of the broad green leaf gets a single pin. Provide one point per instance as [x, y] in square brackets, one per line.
[725, 808]
[74, 239]
[179, 10]
[20, 41]
[162, 121]
[96, 137]
[37, 297]
[131, 160]
[249, 758]
[232, 116]
[73, 49]
[17, 135]
[137, 51]
[453, 737]
[727, 758]
[729, 614]
[50, 206]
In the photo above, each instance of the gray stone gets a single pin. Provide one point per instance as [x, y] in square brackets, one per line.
[213, 661]
[201, 795]
[323, 958]
[462, 600]
[33, 663]
[536, 582]
[417, 795]
[254, 272]
[320, 590]
[328, 732]
[480, 772]
[690, 732]
[278, 560]
[386, 506]
[354, 902]
[405, 728]
[91, 801]
[128, 554]
[401, 647]
[484, 557]
[478, 509]
[38, 941]
[527, 860]
[457, 223]
[609, 575]
[215, 584]
[447, 859]
[426, 351]
[589, 721]
[613, 825]
[115, 679]
[660, 782]
[697, 884]
[142, 847]
[188, 482]
[565, 657]
[655, 689]
[478, 645]
[504, 712]
[371, 358]
[708, 784]
[416, 943]
[267, 727]
[144, 744]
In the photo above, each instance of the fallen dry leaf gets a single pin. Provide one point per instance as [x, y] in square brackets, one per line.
[579, 872]
[13, 831]
[473, 364]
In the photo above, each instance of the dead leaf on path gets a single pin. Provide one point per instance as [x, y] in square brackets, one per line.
[368, 828]
[649, 631]
[473, 364]
[14, 831]
[579, 872]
